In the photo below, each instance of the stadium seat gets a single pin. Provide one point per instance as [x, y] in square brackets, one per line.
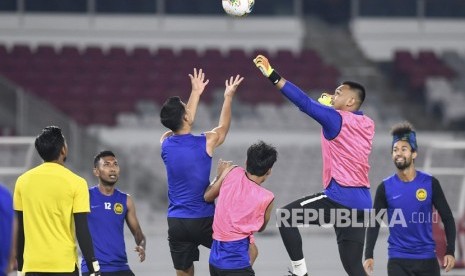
[45, 51]
[69, 53]
[140, 53]
[3, 52]
[21, 51]
[93, 53]
[117, 53]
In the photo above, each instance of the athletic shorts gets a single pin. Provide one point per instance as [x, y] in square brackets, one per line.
[114, 273]
[418, 267]
[318, 209]
[248, 271]
[184, 236]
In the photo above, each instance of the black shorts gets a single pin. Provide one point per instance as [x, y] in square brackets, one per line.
[302, 212]
[248, 271]
[418, 267]
[184, 236]
[114, 273]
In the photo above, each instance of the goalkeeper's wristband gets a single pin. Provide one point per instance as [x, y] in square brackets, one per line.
[93, 266]
[274, 77]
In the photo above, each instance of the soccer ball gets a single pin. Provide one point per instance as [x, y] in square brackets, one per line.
[238, 7]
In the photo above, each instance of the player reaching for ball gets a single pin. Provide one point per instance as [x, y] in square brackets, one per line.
[347, 136]
[188, 159]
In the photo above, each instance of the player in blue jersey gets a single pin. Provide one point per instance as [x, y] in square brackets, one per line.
[110, 208]
[409, 196]
[187, 159]
[6, 231]
[346, 140]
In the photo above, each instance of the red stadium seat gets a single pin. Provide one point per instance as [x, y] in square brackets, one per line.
[117, 53]
[21, 51]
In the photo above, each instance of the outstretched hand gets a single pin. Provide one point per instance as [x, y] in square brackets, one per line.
[198, 81]
[264, 65]
[232, 84]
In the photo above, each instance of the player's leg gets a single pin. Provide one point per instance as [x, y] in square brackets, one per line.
[350, 232]
[303, 211]
[351, 253]
[183, 250]
[399, 267]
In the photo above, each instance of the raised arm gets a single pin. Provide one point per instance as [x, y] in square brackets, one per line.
[198, 84]
[213, 190]
[326, 116]
[216, 136]
[136, 230]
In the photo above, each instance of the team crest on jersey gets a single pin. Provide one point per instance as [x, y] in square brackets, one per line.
[118, 208]
[421, 194]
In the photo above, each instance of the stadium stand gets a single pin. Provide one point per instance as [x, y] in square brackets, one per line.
[83, 85]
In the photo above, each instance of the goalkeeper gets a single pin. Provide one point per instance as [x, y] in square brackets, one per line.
[347, 136]
[51, 204]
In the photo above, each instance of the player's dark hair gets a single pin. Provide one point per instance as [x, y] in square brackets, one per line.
[358, 88]
[49, 143]
[102, 154]
[260, 158]
[172, 113]
[402, 128]
[404, 131]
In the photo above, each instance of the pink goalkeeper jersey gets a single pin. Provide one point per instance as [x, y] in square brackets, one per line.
[240, 207]
[345, 158]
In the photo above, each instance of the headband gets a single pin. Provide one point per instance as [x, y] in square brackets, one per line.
[410, 137]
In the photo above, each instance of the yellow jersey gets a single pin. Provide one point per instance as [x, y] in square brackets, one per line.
[49, 195]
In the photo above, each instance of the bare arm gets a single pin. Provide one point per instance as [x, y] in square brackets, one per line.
[136, 230]
[198, 84]
[253, 253]
[217, 136]
[267, 215]
[212, 192]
